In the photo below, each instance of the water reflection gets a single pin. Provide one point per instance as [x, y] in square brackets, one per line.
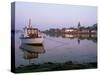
[79, 37]
[57, 49]
[31, 51]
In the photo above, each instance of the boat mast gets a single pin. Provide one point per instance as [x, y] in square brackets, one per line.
[30, 23]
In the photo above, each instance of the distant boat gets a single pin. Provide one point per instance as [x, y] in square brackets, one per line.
[31, 35]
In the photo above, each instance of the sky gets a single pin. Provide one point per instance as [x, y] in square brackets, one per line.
[45, 16]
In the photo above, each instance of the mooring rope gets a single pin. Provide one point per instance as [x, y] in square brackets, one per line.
[56, 41]
[62, 44]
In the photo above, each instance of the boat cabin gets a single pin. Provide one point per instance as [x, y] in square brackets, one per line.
[31, 32]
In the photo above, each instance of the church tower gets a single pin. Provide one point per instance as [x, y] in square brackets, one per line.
[79, 25]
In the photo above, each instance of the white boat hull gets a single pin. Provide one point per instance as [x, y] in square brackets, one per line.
[32, 40]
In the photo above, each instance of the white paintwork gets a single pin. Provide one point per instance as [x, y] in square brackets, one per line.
[32, 41]
[25, 32]
[27, 39]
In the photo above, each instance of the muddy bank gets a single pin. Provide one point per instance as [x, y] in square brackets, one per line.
[49, 66]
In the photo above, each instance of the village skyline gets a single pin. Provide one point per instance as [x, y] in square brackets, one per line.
[44, 16]
[93, 26]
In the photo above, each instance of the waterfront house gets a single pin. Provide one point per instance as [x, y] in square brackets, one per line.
[94, 31]
[84, 30]
[69, 30]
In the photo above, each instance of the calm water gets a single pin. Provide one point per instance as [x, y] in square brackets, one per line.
[56, 48]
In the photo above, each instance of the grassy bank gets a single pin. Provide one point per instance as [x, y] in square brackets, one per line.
[49, 66]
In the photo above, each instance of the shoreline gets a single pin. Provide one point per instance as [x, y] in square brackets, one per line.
[49, 66]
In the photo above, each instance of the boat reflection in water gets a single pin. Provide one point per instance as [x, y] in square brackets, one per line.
[31, 51]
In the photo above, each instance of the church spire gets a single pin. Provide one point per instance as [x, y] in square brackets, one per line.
[79, 24]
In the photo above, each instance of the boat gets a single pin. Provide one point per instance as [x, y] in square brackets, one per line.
[31, 35]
